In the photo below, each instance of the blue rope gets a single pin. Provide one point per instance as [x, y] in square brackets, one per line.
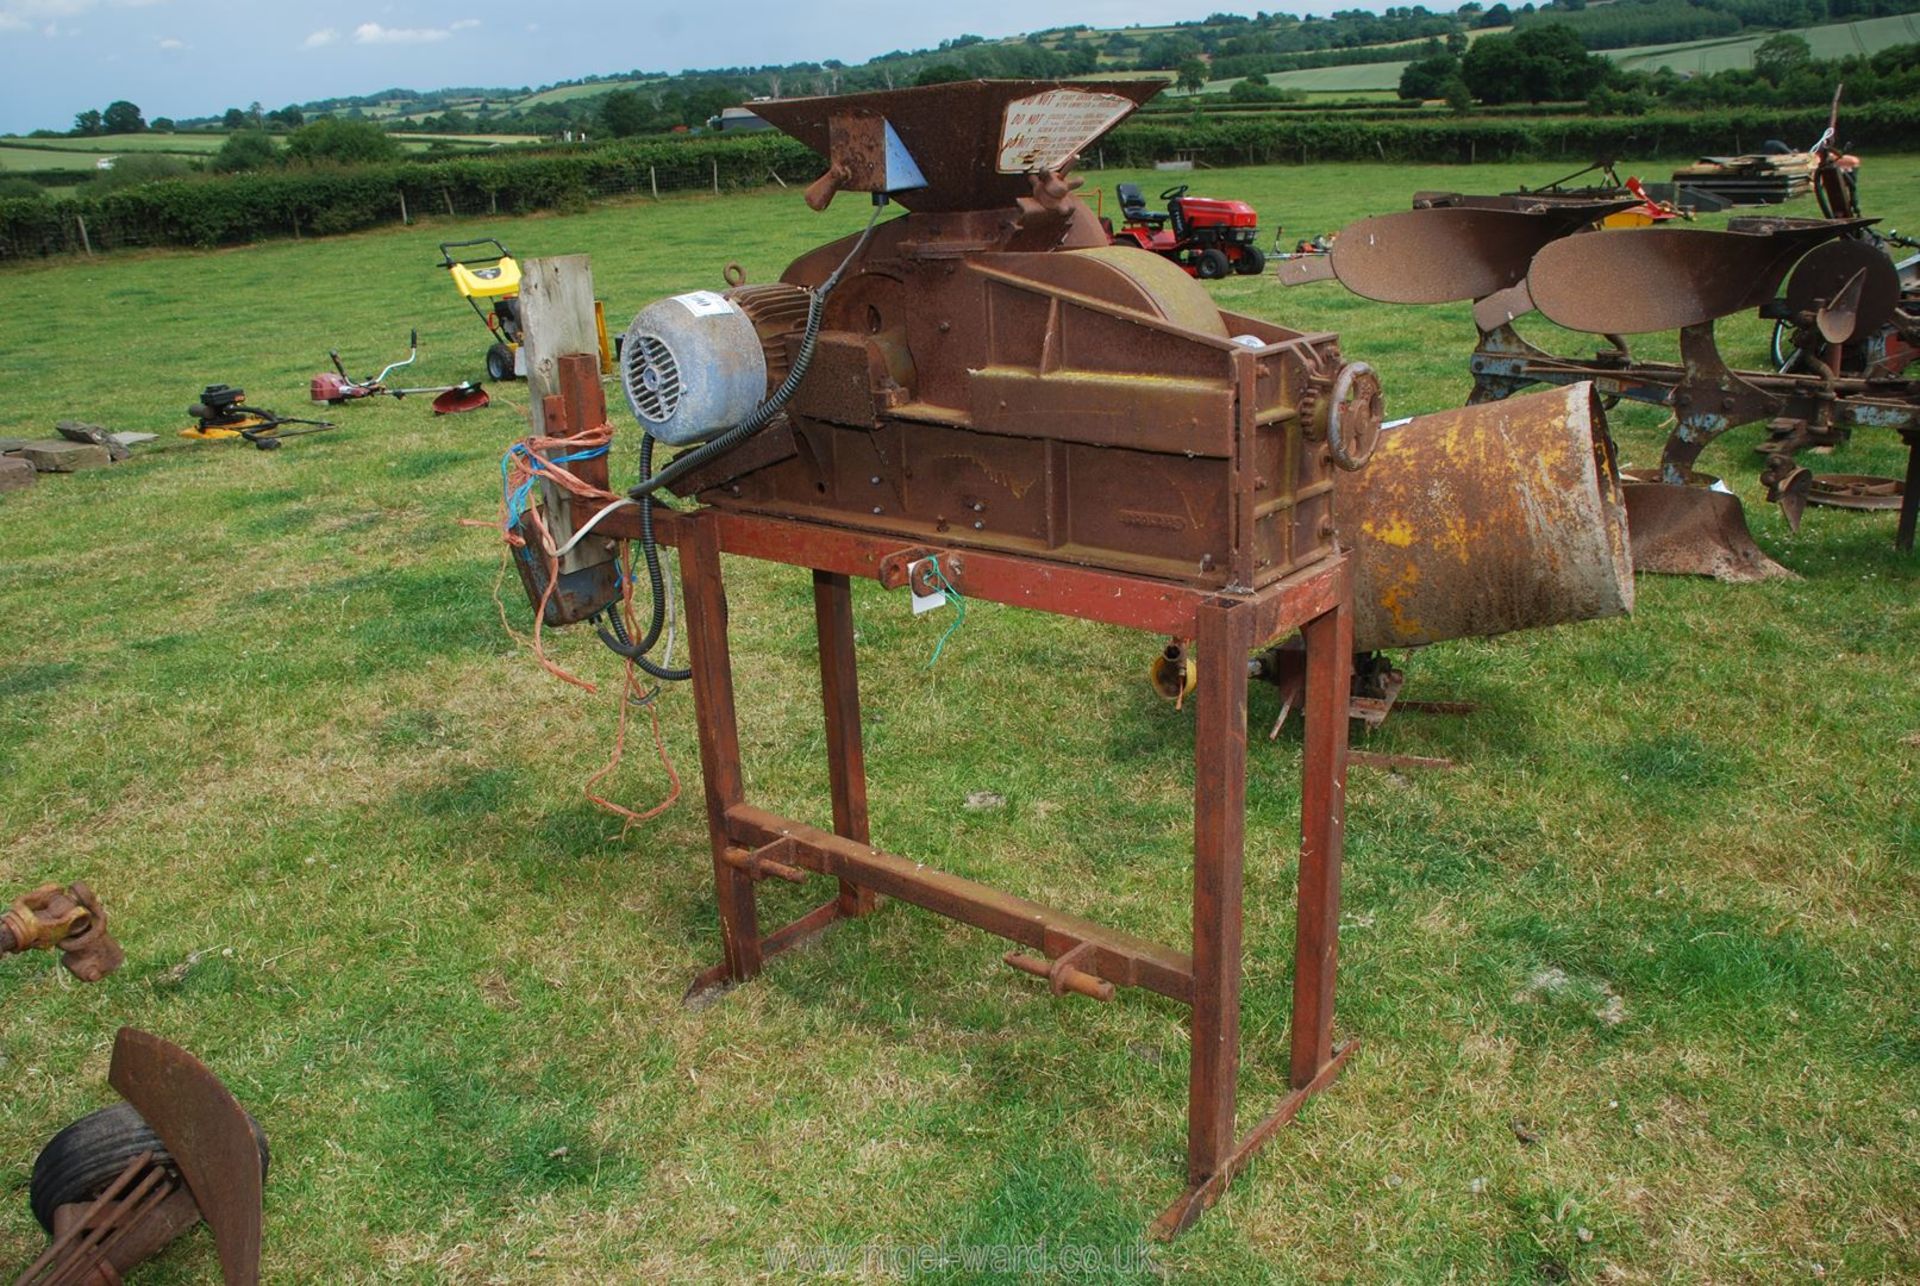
[516, 499]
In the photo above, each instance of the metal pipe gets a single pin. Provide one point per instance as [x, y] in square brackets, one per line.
[1493, 518]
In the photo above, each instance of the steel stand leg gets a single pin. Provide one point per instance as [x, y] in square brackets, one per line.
[840, 693]
[1223, 638]
[1323, 795]
[704, 595]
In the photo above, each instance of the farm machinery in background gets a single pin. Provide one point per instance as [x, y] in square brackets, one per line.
[1646, 211]
[336, 387]
[985, 399]
[489, 280]
[1207, 236]
[1849, 317]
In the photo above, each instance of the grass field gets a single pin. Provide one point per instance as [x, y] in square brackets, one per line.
[20, 158]
[1835, 40]
[1362, 76]
[565, 93]
[182, 143]
[264, 704]
[80, 153]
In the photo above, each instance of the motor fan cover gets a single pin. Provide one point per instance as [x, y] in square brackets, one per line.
[692, 365]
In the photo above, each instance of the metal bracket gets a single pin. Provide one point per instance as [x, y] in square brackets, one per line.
[1063, 974]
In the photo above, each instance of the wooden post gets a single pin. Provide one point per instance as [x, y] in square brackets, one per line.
[716, 176]
[653, 181]
[403, 207]
[85, 241]
[556, 327]
[448, 194]
[493, 202]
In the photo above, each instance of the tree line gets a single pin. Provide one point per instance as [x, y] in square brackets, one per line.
[1547, 63]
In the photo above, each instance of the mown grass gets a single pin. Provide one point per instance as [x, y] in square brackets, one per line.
[1659, 921]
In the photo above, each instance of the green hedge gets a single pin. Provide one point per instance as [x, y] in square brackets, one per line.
[1274, 138]
[212, 210]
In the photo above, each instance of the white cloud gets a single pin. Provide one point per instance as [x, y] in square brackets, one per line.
[465, 24]
[171, 43]
[324, 36]
[24, 15]
[372, 33]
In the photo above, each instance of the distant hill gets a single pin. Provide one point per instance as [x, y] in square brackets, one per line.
[1347, 52]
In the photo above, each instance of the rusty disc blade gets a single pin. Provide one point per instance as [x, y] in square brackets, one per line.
[1440, 255]
[1693, 531]
[1822, 277]
[209, 1136]
[1630, 281]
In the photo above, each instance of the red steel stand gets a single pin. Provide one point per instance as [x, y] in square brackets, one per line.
[750, 844]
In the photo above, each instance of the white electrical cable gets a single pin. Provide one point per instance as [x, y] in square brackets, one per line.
[673, 613]
[591, 523]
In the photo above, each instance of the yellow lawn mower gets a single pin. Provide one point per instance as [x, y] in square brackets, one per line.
[223, 415]
[489, 280]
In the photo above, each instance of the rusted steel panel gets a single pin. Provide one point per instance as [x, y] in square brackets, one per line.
[1488, 519]
[1689, 529]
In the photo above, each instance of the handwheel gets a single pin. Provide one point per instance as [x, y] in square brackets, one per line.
[79, 1162]
[1354, 413]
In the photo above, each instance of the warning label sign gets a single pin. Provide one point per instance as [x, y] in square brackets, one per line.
[1042, 131]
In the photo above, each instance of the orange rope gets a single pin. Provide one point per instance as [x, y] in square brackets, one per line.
[519, 470]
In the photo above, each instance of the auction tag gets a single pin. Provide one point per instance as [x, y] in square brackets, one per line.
[705, 303]
[1042, 131]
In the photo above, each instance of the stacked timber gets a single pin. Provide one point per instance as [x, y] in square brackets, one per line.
[1751, 180]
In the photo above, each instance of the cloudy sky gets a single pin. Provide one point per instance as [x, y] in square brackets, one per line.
[197, 57]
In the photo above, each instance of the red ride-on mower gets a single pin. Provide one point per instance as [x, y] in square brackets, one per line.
[1206, 236]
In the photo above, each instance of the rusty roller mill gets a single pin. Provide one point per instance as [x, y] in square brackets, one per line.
[977, 396]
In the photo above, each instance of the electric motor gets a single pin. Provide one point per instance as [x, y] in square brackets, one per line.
[696, 364]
